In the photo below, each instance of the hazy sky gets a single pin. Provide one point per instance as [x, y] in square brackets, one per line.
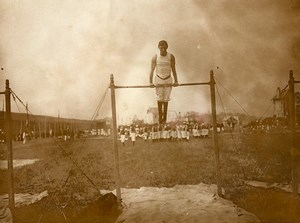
[58, 55]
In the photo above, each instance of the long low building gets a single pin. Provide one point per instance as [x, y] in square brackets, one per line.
[43, 126]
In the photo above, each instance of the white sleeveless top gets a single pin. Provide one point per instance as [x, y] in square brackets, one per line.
[163, 66]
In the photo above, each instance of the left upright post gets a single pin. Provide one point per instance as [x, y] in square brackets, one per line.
[212, 84]
[115, 132]
[9, 147]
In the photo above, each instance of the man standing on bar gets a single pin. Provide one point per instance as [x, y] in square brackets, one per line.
[164, 64]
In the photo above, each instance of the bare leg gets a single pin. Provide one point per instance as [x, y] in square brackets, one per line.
[160, 112]
[165, 113]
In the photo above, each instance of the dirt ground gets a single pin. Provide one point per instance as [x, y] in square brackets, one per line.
[73, 173]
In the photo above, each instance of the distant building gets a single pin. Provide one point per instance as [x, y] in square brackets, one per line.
[104, 123]
[280, 103]
[41, 125]
[152, 115]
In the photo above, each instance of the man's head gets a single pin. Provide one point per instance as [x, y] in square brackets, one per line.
[163, 46]
[162, 42]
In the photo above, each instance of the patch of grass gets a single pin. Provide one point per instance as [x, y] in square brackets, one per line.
[82, 167]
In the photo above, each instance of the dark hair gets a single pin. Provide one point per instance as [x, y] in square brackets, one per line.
[162, 42]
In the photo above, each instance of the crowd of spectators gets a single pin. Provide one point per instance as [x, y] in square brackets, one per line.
[270, 124]
[167, 132]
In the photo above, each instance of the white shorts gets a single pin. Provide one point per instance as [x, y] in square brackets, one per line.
[204, 132]
[122, 138]
[163, 93]
[132, 136]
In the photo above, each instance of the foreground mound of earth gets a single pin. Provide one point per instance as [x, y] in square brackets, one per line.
[182, 203]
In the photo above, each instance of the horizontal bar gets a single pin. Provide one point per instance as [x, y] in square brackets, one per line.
[297, 82]
[3, 92]
[163, 85]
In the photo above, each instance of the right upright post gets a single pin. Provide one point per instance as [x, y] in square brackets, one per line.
[212, 84]
[10, 167]
[292, 131]
[115, 133]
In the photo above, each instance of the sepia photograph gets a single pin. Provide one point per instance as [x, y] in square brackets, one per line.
[157, 111]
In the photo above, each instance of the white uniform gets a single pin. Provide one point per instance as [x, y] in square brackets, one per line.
[133, 136]
[163, 76]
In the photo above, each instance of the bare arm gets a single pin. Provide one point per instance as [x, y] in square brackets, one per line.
[153, 65]
[173, 67]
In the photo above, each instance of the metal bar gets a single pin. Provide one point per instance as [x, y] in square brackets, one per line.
[9, 148]
[163, 85]
[115, 132]
[216, 143]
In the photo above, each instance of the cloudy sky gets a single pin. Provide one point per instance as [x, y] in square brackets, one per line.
[58, 55]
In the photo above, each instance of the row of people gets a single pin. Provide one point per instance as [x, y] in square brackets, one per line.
[174, 132]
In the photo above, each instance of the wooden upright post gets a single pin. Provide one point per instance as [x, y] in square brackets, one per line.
[54, 129]
[214, 119]
[45, 128]
[34, 131]
[21, 128]
[40, 131]
[115, 132]
[9, 148]
[292, 125]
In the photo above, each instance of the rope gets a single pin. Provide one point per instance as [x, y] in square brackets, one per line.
[265, 112]
[75, 163]
[44, 207]
[99, 104]
[14, 95]
[62, 148]
[268, 108]
[26, 108]
[16, 102]
[231, 133]
[221, 100]
[233, 97]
